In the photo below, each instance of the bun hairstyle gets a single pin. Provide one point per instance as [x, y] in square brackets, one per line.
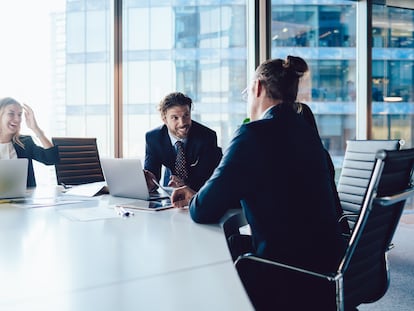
[297, 64]
[281, 77]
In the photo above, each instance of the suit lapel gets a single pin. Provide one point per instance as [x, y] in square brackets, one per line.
[192, 146]
[169, 153]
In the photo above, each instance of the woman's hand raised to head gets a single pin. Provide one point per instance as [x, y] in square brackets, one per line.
[32, 124]
[30, 119]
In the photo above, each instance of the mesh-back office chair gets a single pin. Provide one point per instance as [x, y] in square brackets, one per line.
[79, 161]
[356, 171]
[362, 275]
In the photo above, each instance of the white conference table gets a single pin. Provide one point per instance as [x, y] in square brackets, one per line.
[83, 256]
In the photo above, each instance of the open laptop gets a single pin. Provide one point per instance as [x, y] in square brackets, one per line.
[125, 178]
[13, 178]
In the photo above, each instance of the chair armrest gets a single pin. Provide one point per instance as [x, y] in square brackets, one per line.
[389, 200]
[278, 286]
[254, 258]
[346, 216]
[346, 226]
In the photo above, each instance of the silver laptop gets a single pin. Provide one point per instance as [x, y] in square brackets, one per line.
[13, 178]
[125, 178]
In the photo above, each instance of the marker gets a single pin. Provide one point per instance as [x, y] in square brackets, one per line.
[123, 212]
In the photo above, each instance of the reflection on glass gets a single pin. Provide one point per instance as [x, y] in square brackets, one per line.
[199, 50]
[392, 73]
[32, 62]
[325, 36]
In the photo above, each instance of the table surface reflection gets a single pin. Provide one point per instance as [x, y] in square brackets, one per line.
[162, 260]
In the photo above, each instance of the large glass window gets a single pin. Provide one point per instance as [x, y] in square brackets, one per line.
[199, 50]
[61, 62]
[393, 73]
[84, 107]
[32, 62]
[324, 35]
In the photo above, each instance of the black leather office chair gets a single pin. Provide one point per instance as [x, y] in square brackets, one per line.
[362, 275]
[79, 161]
[356, 171]
[236, 241]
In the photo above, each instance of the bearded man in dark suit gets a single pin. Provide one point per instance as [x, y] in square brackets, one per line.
[202, 154]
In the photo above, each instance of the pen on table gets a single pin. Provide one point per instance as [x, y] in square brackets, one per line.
[5, 201]
[123, 212]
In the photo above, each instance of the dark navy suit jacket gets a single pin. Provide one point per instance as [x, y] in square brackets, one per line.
[31, 151]
[277, 168]
[201, 150]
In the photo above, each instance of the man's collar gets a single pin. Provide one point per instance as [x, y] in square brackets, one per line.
[175, 139]
[266, 114]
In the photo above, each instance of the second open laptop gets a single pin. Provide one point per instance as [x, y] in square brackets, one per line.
[125, 178]
[13, 178]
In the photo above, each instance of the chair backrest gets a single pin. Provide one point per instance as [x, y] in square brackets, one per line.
[232, 224]
[362, 274]
[231, 229]
[364, 266]
[356, 171]
[79, 161]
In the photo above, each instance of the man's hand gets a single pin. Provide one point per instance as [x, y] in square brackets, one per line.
[181, 196]
[175, 182]
[149, 177]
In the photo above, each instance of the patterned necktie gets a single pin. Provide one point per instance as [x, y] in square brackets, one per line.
[180, 163]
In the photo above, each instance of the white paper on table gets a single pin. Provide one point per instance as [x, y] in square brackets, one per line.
[87, 190]
[45, 202]
[89, 213]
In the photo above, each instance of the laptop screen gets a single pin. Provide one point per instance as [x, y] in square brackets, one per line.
[13, 178]
[125, 178]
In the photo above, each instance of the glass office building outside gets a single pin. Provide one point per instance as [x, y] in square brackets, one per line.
[393, 73]
[201, 49]
[197, 49]
[325, 35]
[204, 49]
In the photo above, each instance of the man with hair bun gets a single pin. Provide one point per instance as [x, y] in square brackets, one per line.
[277, 168]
